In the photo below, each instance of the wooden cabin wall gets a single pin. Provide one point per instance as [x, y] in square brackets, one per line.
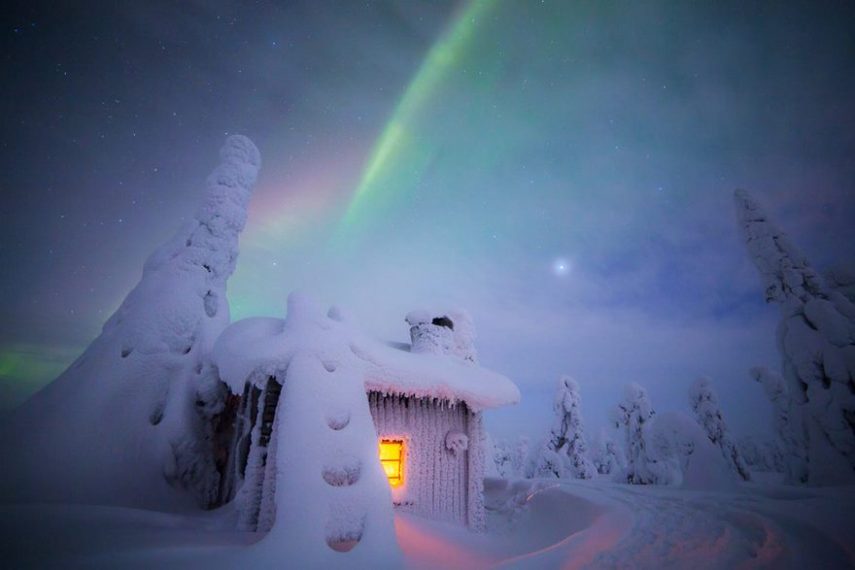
[436, 482]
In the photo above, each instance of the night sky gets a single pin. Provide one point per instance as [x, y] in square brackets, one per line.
[562, 170]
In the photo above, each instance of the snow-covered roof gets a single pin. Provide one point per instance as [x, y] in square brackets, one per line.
[255, 348]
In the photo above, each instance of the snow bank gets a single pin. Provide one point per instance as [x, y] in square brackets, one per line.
[120, 422]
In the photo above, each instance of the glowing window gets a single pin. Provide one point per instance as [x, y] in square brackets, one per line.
[392, 459]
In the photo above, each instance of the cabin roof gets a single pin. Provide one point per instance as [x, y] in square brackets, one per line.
[254, 348]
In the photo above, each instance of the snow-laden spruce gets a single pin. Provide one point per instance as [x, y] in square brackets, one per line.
[816, 339]
[705, 405]
[567, 435]
[121, 422]
[788, 423]
[633, 415]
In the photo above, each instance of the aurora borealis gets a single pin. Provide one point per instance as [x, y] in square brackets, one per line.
[562, 170]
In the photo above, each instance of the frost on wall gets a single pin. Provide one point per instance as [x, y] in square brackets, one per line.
[134, 389]
[632, 416]
[704, 403]
[567, 435]
[816, 339]
[332, 505]
[788, 422]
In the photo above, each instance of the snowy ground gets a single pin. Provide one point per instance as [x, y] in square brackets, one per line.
[532, 524]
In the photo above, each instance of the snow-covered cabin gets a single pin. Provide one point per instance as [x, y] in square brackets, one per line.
[426, 400]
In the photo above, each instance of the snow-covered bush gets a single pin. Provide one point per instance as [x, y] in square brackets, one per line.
[705, 405]
[682, 455]
[633, 416]
[567, 435]
[816, 339]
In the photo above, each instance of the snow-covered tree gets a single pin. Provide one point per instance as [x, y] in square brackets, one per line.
[633, 415]
[520, 457]
[681, 454]
[788, 422]
[547, 463]
[503, 459]
[816, 339]
[464, 336]
[134, 390]
[608, 457]
[705, 405]
[567, 435]
[762, 455]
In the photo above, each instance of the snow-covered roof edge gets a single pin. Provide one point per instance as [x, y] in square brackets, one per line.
[254, 348]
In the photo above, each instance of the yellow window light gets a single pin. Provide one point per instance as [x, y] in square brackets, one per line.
[392, 459]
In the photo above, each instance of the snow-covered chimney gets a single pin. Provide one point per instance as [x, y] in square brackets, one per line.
[434, 335]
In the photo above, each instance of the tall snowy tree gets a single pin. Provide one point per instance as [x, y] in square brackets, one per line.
[787, 422]
[122, 421]
[816, 339]
[633, 415]
[567, 436]
[705, 405]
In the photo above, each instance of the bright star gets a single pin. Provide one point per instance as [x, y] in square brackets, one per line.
[561, 266]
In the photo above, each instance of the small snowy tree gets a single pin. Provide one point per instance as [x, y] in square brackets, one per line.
[503, 459]
[816, 339]
[519, 458]
[464, 336]
[608, 457]
[567, 436]
[704, 403]
[787, 422]
[683, 455]
[547, 463]
[632, 416]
